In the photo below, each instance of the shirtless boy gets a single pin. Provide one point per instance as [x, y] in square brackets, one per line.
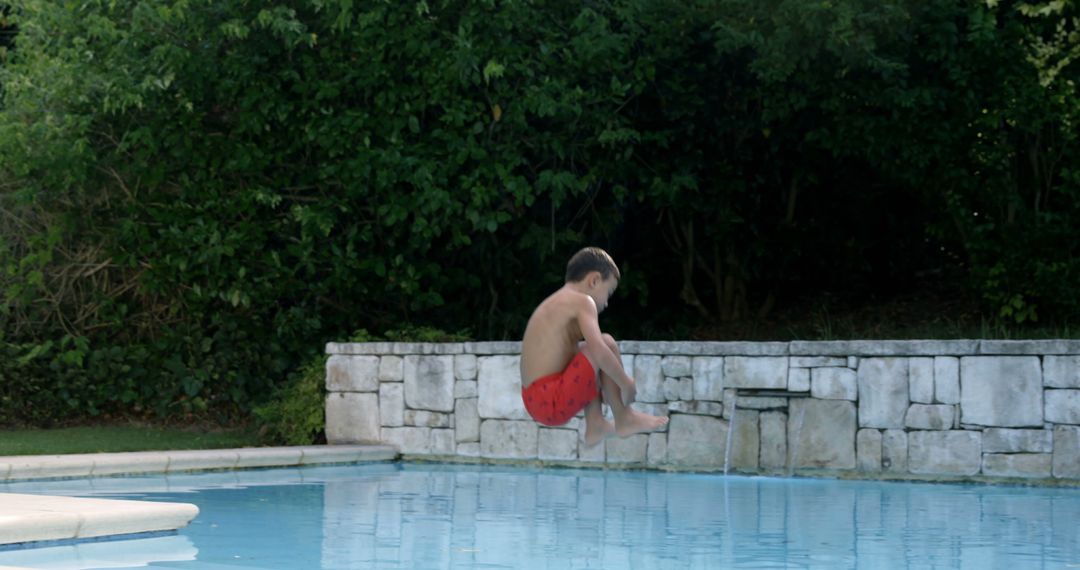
[567, 363]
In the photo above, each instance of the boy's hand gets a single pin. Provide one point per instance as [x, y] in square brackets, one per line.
[629, 392]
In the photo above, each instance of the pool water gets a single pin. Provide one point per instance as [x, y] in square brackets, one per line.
[394, 515]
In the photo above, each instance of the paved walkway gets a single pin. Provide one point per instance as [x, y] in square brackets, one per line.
[33, 518]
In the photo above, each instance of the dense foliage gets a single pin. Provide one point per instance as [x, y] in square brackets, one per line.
[196, 194]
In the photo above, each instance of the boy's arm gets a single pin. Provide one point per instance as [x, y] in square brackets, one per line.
[598, 351]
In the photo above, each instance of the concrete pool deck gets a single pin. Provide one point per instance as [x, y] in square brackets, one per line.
[40, 518]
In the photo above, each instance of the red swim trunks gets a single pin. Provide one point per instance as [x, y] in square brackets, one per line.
[552, 400]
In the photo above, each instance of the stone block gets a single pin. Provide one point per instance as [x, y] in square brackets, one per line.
[657, 452]
[470, 449]
[392, 404]
[697, 408]
[557, 444]
[686, 388]
[627, 364]
[817, 361]
[466, 389]
[708, 378]
[894, 451]
[352, 417]
[671, 389]
[508, 439]
[429, 383]
[929, 416]
[761, 402]
[391, 369]
[1016, 465]
[745, 440]
[591, 454]
[833, 383]
[408, 440]
[465, 367]
[921, 380]
[853, 362]
[953, 452]
[442, 441]
[1001, 391]
[799, 380]
[1063, 406]
[883, 392]
[868, 450]
[1061, 371]
[768, 372]
[352, 373]
[423, 418]
[500, 388]
[696, 441]
[649, 378]
[676, 366]
[947, 380]
[1000, 440]
[1066, 460]
[821, 434]
[631, 449]
[466, 420]
[773, 440]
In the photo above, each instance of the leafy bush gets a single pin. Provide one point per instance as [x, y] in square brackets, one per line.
[295, 415]
[197, 194]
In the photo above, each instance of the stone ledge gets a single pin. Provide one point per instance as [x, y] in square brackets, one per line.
[33, 518]
[394, 348]
[22, 467]
[703, 348]
[884, 347]
[955, 347]
[1029, 347]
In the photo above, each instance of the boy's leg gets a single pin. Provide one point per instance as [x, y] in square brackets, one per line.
[627, 420]
[597, 428]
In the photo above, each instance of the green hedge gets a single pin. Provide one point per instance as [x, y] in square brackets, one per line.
[198, 194]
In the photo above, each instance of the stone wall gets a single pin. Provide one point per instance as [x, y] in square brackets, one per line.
[962, 409]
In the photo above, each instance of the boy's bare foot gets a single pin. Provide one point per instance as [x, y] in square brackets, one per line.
[633, 422]
[597, 431]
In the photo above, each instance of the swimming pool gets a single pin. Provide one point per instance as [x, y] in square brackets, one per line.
[393, 515]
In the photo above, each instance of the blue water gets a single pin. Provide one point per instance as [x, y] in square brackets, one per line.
[432, 516]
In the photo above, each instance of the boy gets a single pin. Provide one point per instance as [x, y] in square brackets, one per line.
[567, 363]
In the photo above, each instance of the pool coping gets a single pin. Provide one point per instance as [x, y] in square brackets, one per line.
[32, 518]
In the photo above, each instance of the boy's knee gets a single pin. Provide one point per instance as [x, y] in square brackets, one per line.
[610, 341]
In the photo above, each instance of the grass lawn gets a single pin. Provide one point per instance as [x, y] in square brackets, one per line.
[120, 438]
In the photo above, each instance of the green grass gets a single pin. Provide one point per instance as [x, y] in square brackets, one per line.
[120, 438]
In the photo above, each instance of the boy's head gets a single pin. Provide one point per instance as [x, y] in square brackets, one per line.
[589, 260]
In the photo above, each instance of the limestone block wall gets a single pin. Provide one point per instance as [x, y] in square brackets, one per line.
[961, 409]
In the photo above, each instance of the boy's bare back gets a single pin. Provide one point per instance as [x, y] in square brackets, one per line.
[552, 335]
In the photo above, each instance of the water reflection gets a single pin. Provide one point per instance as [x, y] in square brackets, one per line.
[435, 517]
[591, 519]
[120, 554]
